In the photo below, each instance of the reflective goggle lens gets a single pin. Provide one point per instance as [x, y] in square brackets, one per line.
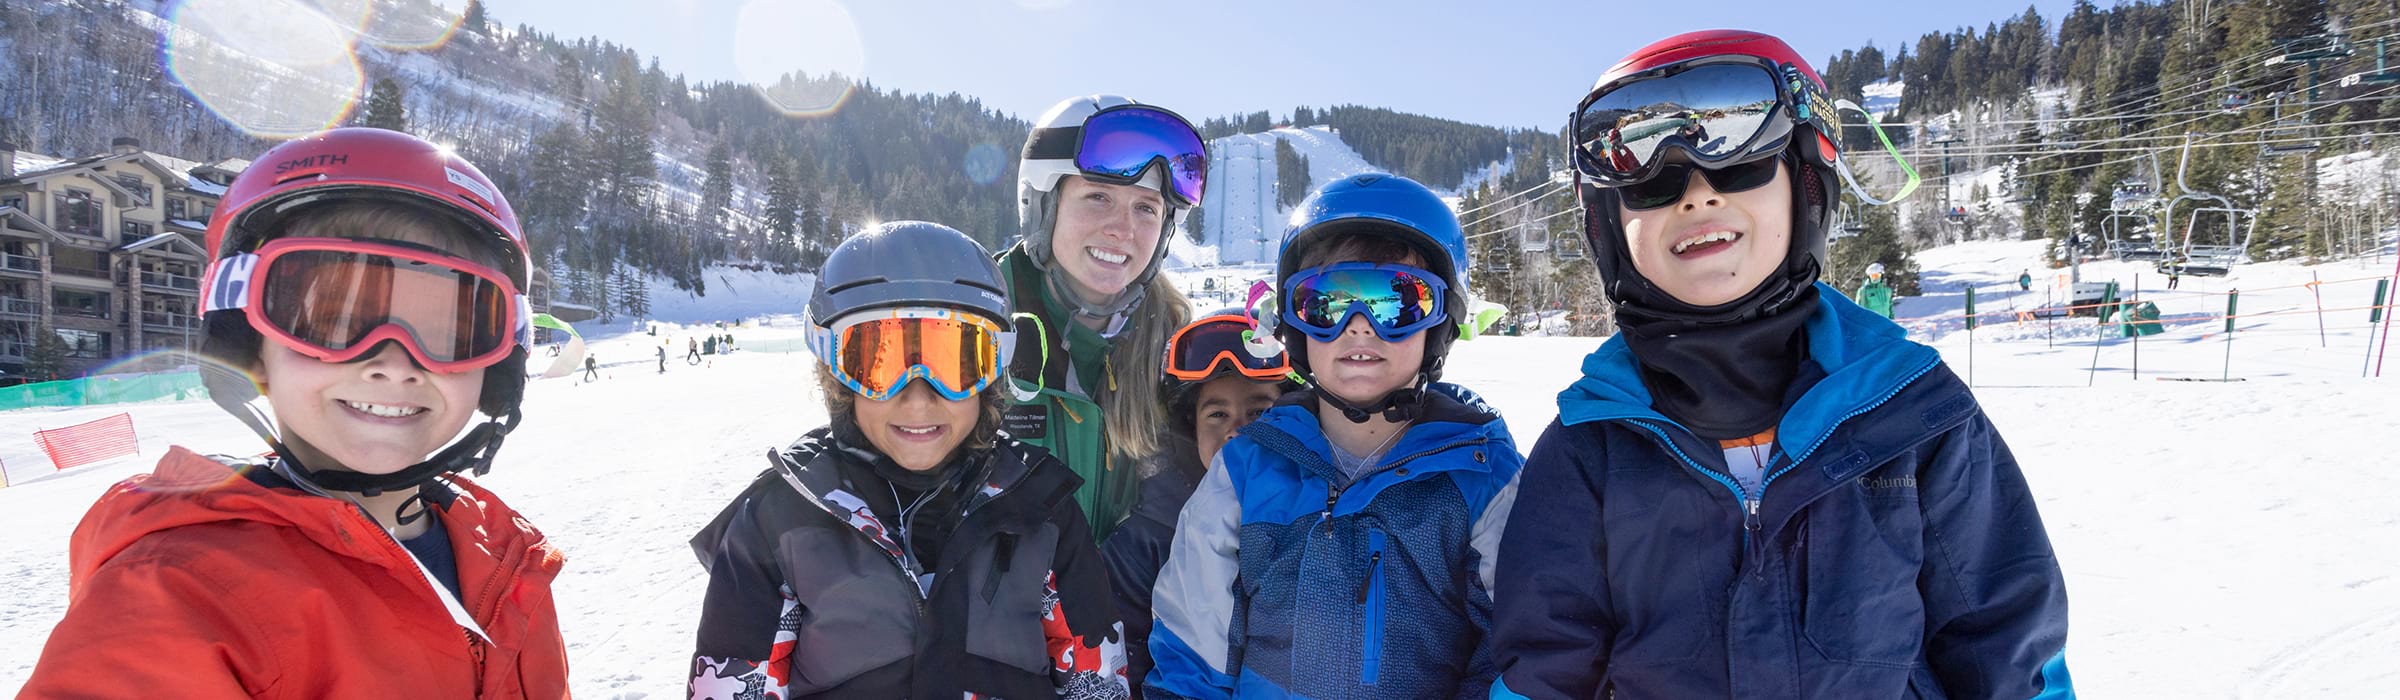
[1397, 300]
[1218, 345]
[335, 300]
[957, 356]
[1717, 110]
[1124, 141]
[1667, 185]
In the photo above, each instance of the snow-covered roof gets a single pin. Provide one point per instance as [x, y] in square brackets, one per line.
[170, 239]
[30, 162]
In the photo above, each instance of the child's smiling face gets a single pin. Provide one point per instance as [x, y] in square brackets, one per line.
[1710, 248]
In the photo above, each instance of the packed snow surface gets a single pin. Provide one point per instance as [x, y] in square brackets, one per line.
[2220, 539]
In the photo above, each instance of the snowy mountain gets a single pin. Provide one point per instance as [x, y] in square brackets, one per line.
[1244, 222]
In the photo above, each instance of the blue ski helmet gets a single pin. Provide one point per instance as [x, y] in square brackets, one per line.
[1390, 205]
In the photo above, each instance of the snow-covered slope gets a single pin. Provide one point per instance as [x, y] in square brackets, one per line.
[1243, 218]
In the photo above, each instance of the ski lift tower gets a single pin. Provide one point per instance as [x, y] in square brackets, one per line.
[2312, 51]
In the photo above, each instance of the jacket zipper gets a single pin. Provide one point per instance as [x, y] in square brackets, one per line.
[1370, 595]
[390, 545]
[1749, 503]
[906, 573]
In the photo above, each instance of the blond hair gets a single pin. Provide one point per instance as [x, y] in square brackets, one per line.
[1136, 414]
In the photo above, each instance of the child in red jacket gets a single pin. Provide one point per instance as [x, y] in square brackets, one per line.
[366, 283]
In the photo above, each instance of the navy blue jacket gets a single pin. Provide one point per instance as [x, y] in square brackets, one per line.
[1138, 548]
[1895, 551]
[1282, 583]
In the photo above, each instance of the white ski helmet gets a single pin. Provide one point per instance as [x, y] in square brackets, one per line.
[1875, 270]
[1037, 193]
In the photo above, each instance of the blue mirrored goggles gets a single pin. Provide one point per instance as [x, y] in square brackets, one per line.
[1397, 300]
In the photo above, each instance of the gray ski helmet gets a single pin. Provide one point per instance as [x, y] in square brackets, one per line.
[1037, 194]
[908, 263]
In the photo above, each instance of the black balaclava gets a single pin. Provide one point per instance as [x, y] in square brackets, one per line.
[1723, 371]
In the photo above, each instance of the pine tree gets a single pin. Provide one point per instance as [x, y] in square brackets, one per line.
[783, 204]
[48, 356]
[1291, 174]
[476, 20]
[602, 293]
[385, 108]
[622, 146]
[717, 193]
[633, 292]
[1195, 226]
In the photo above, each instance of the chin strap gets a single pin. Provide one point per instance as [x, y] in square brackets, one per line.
[473, 454]
[1400, 406]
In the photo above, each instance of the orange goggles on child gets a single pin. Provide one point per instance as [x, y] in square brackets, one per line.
[1224, 344]
[335, 299]
[877, 353]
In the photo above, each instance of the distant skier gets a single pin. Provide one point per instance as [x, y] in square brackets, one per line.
[591, 368]
[2025, 281]
[692, 356]
[662, 358]
[1875, 295]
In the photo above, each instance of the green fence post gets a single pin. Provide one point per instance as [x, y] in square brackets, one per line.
[2233, 300]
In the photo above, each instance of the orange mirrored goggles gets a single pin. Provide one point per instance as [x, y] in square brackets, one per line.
[877, 353]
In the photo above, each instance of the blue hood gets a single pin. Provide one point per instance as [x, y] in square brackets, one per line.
[1866, 358]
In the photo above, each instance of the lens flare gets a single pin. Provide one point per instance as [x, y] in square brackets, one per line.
[398, 24]
[803, 56]
[273, 68]
[984, 162]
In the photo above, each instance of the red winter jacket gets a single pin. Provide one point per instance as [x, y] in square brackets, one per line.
[196, 582]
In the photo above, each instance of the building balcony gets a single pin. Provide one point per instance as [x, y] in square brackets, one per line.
[73, 270]
[27, 264]
[12, 306]
[169, 280]
[163, 319]
[81, 313]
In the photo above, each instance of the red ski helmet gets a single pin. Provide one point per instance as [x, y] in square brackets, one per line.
[1800, 127]
[365, 162]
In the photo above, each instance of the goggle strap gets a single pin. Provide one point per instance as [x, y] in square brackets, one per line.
[229, 283]
[1876, 125]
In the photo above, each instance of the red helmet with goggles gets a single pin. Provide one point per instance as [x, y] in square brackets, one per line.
[336, 296]
[1718, 103]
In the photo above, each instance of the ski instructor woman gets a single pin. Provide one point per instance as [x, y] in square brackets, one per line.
[1101, 185]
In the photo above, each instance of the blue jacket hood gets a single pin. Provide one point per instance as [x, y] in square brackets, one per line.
[1866, 358]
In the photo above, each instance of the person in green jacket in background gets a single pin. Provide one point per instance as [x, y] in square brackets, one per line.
[1875, 295]
[1102, 184]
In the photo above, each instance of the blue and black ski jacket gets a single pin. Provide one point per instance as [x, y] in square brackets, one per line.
[1285, 582]
[1895, 550]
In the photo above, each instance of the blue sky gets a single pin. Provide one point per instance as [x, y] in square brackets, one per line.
[1217, 58]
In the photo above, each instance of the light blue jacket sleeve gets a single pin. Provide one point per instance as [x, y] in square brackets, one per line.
[1190, 639]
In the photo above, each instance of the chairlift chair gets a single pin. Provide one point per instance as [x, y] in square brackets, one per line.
[2286, 137]
[2214, 259]
[2126, 237]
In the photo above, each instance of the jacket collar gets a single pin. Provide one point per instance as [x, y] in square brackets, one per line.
[1867, 359]
[494, 546]
[1290, 429]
